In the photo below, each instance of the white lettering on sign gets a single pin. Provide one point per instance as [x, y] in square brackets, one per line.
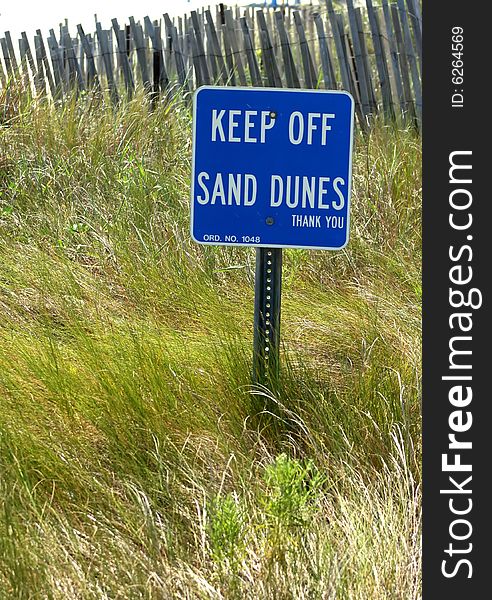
[232, 125]
[265, 114]
[325, 126]
[249, 200]
[322, 192]
[240, 189]
[234, 188]
[217, 125]
[300, 128]
[218, 190]
[244, 126]
[335, 222]
[311, 126]
[304, 192]
[332, 222]
[297, 127]
[236, 121]
[306, 220]
[336, 183]
[249, 125]
[293, 190]
[201, 177]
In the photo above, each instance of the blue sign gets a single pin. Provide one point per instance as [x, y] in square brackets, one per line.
[271, 167]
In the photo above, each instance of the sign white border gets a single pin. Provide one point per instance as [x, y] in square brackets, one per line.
[270, 89]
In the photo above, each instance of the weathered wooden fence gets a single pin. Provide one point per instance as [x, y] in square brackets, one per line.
[374, 52]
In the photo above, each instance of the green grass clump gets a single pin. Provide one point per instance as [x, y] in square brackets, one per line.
[136, 459]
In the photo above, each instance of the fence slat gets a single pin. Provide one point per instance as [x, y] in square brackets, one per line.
[380, 63]
[27, 50]
[6, 58]
[310, 77]
[10, 46]
[138, 40]
[39, 82]
[105, 51]
[325, 55]
[211, 56]
[365, 59]
[81, 59]
[250, 20]
[267, 53]
[353, 87]
[291, 76]
[56, 63]
[179, 60]
[416, 20]
[44, 59]
[199, 49]
[168, 50]
[74, 67]
[216, 50]
[394, 55]
[231, 79]
[412, 61]
[3, 79]
[164, 79]
[123, 57]
[159, 73]
[67, 73]
[407, 88]
[360, 71]
[92, 76]
[196, 58]
[175, 48]
[230, 23]
[254, 69]
[338, 46]
[23, 58]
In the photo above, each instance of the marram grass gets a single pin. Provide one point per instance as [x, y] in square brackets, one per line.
[136, 460]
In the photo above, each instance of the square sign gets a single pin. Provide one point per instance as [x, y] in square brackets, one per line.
[271, 167]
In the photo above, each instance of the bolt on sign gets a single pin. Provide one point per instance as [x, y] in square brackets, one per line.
[271, 167]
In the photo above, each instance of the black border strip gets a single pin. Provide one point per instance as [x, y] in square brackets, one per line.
[459, 129]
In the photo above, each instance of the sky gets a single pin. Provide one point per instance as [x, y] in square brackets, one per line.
[29, 15]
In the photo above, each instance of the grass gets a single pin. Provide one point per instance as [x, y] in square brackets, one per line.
[136, 460]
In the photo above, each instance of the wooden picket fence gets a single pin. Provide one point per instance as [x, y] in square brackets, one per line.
[374, 52]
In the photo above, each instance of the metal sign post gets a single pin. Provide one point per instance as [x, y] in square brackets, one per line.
[271, 170]
[266, 339]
